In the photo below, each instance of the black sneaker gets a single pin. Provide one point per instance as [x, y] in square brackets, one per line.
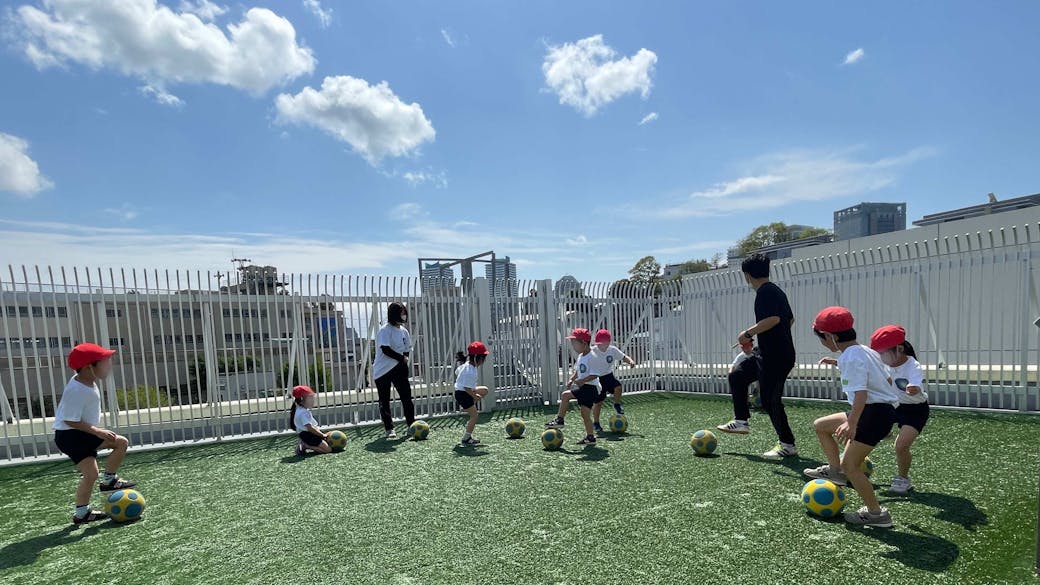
[554, 423]
[597, 427]
[589, 440]
[116, 484]
[300, 450]
[620, 409]
[470, 442]
[91, 516]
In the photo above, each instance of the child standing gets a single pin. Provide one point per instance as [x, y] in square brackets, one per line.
[606, 357]
[582, 386]
[302, 421]
[913, 412]
[869, 390]
[467, 393]
[76, 431]
[742, 373]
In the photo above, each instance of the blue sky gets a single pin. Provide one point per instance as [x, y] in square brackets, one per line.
[575, 137]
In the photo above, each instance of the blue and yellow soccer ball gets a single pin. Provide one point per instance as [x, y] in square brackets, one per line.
[337, 440]
[754, 400]
[704, 442]
[823, 498]
[618, 423]
[552, 439]
[125, 505]
[420, 430]
[515, 428]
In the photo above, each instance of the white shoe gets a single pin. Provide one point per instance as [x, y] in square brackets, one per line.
[391, 434]
[825, 472]
[737, 427]
[780, 451]
[901, 485]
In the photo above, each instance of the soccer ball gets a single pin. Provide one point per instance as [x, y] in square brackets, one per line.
[419, 430]
[124, 505]
[704, 442]
[754, 400]
[552, 439]
[515, 428]
[823, 498]
[337, 440]
[618, 423]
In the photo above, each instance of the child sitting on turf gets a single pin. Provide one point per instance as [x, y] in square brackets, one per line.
[302, 421]
[583, 385]
[869, 390]
[742, 373]
[913, 411]
[76, 431]
[467, 393]
[606, 357]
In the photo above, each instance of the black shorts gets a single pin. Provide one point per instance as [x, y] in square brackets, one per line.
[587, 395]
[914, 415]
[310, 439]
[875, 423]
[464, 399]
[77, 445]
[609, 383]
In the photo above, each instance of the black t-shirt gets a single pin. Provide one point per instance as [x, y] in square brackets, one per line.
[770, 301]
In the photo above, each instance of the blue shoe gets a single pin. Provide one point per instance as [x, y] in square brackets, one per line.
[619, 408]
[597, 427]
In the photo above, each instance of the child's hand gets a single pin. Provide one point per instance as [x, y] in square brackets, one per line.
[828, 361]
[106, 435]
[913, 390]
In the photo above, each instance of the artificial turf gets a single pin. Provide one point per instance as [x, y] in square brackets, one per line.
[637, 508]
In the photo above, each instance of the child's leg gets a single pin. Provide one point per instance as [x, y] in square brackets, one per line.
[565, 402]
[855, 453]
[472, 419]
[89, 468]
[906, 437]
[617, 394]
[596, 410]
[321, 447]
[586, 417]
[115, 458]
[825, 427]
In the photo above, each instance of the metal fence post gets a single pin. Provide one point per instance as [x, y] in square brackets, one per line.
[209, 349]
[482, 296]
[547, 338]
[110, 390]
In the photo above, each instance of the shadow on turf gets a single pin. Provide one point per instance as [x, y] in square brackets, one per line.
[953, 509]
[918, 549]
[796, 464]
[476, 451]
[26, 552]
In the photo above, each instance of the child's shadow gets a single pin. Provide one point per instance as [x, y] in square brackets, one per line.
[475, 451]
[796, 464]
[918, 549]
[27, 552]
[590, 453]
[382, 444]
[954, 509]
[616, 437]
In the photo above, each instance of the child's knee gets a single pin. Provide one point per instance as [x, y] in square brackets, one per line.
[122, 443]
[90, 475]
[903, 445]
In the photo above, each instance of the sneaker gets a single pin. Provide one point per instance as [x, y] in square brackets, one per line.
[597, 427]
[470, 442]
[391, 434]
[900, 486]
[116, 484]
[554, 423]
[863, 517]
[618, 408]
[300, 450]
[91, 516]
[835, 476]
[736, 427]
[408, 432]
[589, 440]
[780, 451]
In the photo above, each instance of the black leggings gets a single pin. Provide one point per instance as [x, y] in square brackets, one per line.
[771, 377]
[398, 377]
[740, 380]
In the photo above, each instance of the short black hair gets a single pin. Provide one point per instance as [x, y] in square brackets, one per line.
[839, 336]
[394, 313]
[756, 266]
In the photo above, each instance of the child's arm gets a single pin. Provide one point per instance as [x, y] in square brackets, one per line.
[315, 430]
[104, 434]
[847, 431]
[585, 380]
[628, 360]
[828, 361]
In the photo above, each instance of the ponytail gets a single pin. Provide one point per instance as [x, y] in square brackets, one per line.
[909, 350]
[460, 357]
[292, 414]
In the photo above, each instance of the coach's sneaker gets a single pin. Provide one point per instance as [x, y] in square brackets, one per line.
[864, 517]
[300, 449]
[470, 442]
[391, 434]
[91, 516]
[900, 486]
[589, 440]
[596, 427]
[737, 427]
[780, 451]
[117, 483]
[555, 423]
[618, 408]
[835, 476]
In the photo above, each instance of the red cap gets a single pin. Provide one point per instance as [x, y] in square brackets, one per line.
[887, 337]
[477, 348]
[747, 345]
[833, 320]
[603, 336]
[581, 334]
[85, 354]
[301, 391]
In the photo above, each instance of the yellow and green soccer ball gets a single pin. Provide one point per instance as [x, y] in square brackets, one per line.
[552, 439]
[124, 505]
[420, 430]
[618, 423]
[823, 498]
[337, 440]
[515, 428]
[704, 442]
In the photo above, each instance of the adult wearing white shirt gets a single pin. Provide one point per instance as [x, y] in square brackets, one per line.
[393, 346]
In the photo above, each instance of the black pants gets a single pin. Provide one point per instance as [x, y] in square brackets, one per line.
[398, 377]
[771, 377]
[740, 379]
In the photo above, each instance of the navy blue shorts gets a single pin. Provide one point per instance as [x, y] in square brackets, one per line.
[464, 399]
[875, 423]
[310, 439]
[913, 415]
[609, 383]
[587, 395]
[77, 445]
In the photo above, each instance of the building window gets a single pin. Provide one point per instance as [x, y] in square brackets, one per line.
[229, 338]
[49, 311]
[66, 342]
[155, 313]
[227, 313]
[37, 311]
[63, 312]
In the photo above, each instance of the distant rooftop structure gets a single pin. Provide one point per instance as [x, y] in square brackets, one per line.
[869, 219]
[993, 206]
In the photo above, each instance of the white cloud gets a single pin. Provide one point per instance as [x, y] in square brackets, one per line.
[415, 178]
[123, 212]
[586, 75]
[447, 38]
[854, 56]
[406, 211]
[580, 240]
[161, 96]
[741, 185]
[204, 9]
[152, 42]
[370, 118]
[19, 174]
[324, 15]
[652, 116]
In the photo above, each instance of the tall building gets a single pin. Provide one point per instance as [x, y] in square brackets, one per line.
[869, 219]
[993, 206]
[501, 275]
[437, 275]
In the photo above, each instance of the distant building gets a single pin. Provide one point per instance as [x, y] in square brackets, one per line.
[670, 270]
[781, 250]
[869, 219]
[501, 275]
[437, 275]
[994, 206]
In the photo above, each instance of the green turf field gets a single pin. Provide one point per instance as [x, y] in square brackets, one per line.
[634, 509]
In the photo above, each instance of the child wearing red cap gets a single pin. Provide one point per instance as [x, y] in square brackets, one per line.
[605, 358]
[913, 412]
[582, 386]
[76, 431]
[869, 390]
[467, 393]
[301, 420]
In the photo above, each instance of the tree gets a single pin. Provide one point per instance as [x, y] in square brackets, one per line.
[691, 267]
[646, 271]
[320, 380]
[141, 397]
[716, 259]
[775, 233]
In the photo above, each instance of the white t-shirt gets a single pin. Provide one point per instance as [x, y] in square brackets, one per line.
[909, 374]
[303, 418]
[584, 368]
[466, 377]
[740, 358]
[79, 402]
[863, 371]
[604, 362]
[397, 339]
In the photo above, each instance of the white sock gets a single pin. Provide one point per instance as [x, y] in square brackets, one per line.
[743, 422]
[466, 435]
[82, 511]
